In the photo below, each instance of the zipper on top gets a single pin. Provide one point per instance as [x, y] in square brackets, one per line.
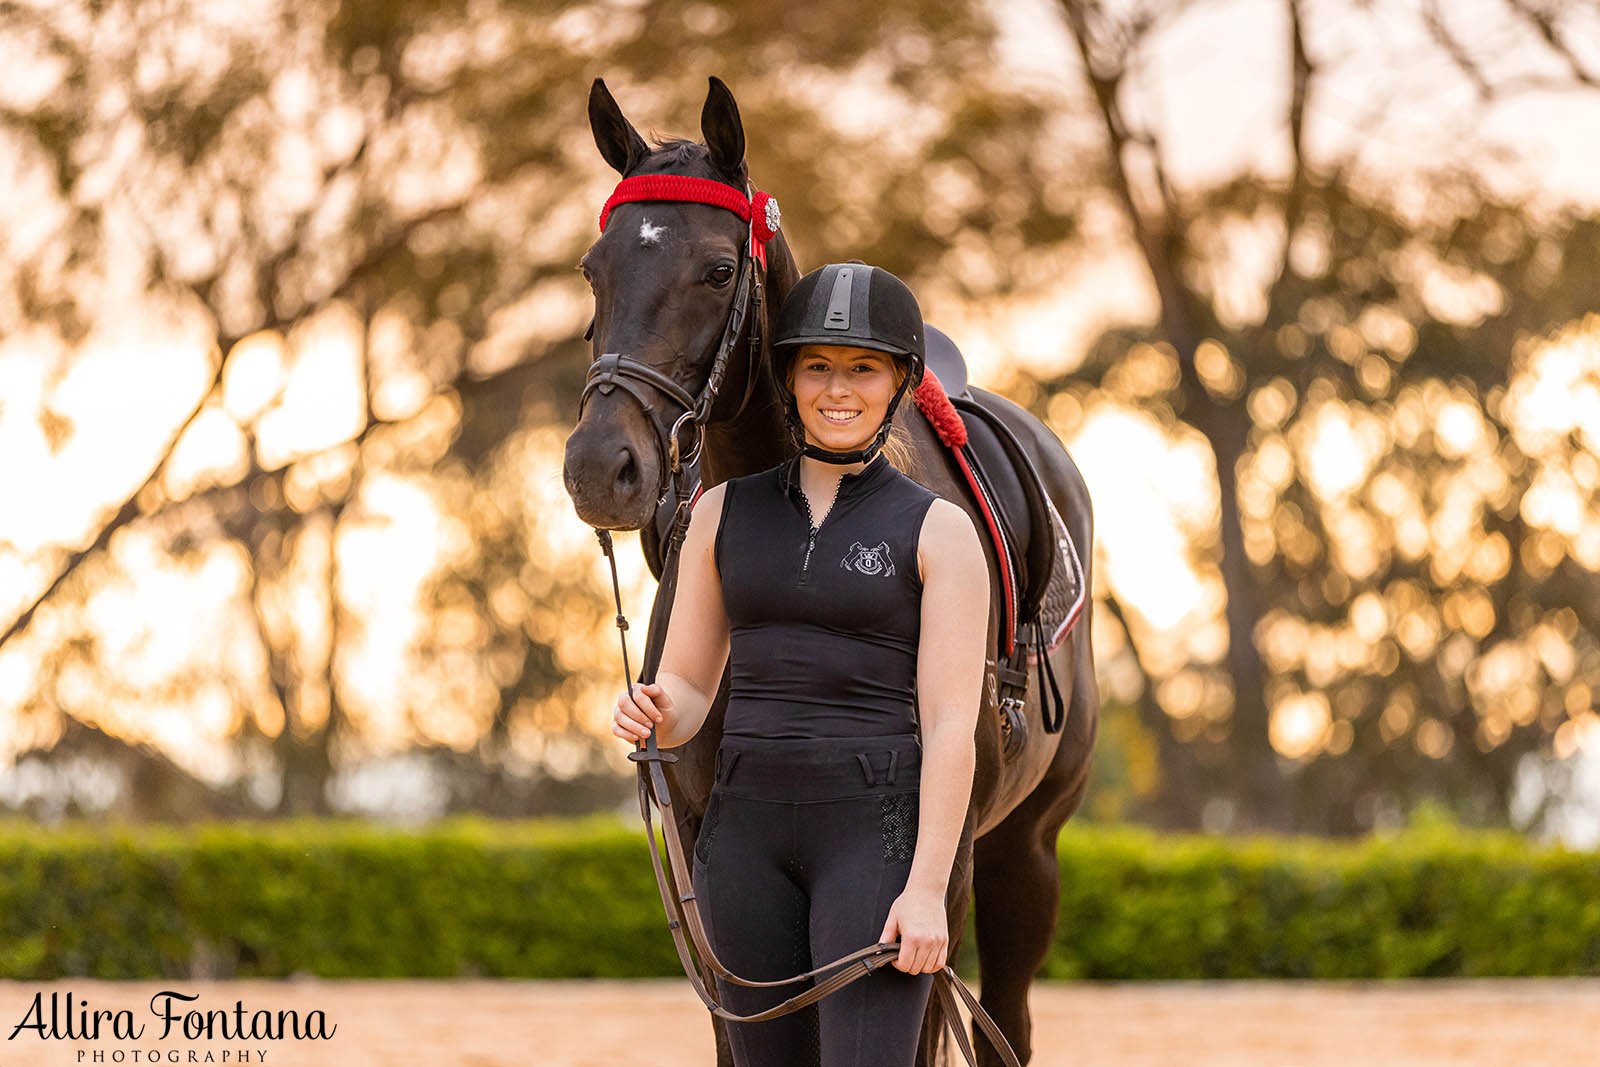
[811, 536]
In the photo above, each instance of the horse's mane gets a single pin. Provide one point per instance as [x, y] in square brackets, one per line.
[677, 151]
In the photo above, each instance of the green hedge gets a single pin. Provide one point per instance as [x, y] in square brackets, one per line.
[1427, 903]
[577, 899]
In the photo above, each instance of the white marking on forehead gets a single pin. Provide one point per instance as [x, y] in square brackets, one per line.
[648, 234]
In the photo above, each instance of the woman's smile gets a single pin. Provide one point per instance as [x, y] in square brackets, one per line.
[839, 388]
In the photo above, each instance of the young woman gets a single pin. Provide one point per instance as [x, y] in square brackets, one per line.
[855, 605]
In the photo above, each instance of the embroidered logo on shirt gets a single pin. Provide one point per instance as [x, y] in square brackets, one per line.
[865, 560]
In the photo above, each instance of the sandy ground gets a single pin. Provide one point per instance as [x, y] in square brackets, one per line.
[1492, 1023]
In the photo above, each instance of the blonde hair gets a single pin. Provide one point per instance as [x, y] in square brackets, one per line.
[898, 447]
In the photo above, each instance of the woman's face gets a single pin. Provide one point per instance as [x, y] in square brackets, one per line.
[842, 393]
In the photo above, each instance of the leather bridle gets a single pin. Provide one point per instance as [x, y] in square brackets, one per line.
[612, 370]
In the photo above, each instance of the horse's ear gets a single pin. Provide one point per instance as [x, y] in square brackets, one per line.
[619, 143]
[723, 131]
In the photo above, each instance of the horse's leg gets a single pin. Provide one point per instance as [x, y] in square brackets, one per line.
[689, 833]
[724, 1050]
[693, 773]
[1017, 877]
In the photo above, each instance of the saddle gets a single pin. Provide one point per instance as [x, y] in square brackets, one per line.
[1041, 577]
[1041, 574]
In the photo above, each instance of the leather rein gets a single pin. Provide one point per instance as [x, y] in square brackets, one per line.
[612, 370]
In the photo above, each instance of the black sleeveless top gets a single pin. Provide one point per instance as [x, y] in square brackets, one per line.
[823, 623]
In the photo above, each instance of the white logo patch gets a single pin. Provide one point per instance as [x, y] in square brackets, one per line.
[648, 234]
[865, 560]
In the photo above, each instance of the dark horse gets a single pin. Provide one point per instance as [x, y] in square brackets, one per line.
[660, 278]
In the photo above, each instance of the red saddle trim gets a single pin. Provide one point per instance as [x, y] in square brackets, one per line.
[935, 405]
[938, 410]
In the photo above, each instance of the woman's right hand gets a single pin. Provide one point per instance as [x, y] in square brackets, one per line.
[647, 706]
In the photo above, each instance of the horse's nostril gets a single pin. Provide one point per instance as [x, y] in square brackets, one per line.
[627, 471]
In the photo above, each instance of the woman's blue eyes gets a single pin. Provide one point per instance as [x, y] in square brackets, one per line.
[824, 366]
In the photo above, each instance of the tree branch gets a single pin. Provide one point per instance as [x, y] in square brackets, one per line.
[126, 514]
[1300, 72]
[1434, 22]
[130, 509]
[1545, 25]
[1178, 796]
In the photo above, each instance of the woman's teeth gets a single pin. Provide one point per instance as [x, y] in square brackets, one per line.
[839, 416]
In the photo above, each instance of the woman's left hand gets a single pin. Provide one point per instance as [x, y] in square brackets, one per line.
[917, 920]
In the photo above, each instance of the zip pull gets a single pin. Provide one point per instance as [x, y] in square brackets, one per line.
[811, 536]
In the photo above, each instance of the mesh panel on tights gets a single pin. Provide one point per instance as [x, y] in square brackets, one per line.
[899, 827]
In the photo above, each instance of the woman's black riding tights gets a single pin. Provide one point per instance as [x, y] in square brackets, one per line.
[804, 847]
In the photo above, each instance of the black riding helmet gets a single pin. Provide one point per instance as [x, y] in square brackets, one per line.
[856, 305]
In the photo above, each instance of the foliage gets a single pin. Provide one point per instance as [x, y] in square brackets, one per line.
[1409, 589]
[549, 899]
[416, 181]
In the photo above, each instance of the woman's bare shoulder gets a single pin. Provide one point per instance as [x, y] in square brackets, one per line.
[948, 534]
[712, 497]
[705, 515]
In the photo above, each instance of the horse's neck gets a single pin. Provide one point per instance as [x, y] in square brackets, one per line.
[758, 439]
[754, 442]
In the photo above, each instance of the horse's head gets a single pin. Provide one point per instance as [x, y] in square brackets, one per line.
[665, 276]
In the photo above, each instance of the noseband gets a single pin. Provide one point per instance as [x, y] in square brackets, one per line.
[614, 370]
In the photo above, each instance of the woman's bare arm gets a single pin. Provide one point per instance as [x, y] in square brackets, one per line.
[955, 626]
[696, 649]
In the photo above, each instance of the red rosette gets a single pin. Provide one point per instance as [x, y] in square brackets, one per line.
[764, 216]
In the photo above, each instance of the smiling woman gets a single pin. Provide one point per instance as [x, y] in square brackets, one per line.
[857, 320]
[849, 387]
[826, 586]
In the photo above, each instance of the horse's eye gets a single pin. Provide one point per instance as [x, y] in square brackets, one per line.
[721, 274]
[587, 275]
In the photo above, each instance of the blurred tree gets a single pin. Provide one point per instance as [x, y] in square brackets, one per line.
[409, 185]
[1408, 551]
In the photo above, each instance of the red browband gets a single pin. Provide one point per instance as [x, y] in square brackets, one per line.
[760, 211]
